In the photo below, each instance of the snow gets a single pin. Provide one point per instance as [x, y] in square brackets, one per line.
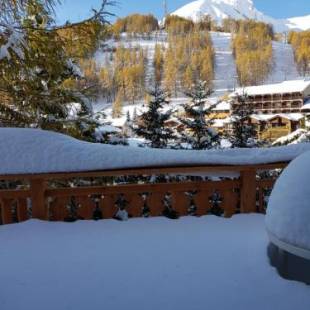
[225, 75]
[28, 151]
[302, 22]
[298, 136]
[289, 116]
[284, 65]
[220, 123]
[225, 79]
[279, 88]
[14, 43]
[236, 9]
[223, 106]
[306, 106]
[288, 213]
[156, 263]
[74, 68]
[108, 129]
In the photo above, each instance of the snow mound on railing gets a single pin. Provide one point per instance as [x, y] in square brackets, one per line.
[288, 213]
[31, 151]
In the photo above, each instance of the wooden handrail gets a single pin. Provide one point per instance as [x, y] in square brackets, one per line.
[243, 194]
[145, 171]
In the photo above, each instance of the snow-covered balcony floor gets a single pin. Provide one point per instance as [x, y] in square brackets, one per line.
[191, 263]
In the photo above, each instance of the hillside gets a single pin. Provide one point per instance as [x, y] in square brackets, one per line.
[284, 67]
[302, 22]
[238, 9]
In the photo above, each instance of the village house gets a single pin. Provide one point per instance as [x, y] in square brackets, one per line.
[270, 127]
[278, 109]
[286, 97]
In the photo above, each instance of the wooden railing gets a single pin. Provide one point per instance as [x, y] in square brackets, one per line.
[42, 196]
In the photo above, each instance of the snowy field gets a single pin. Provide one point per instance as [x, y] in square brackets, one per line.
[191, 263]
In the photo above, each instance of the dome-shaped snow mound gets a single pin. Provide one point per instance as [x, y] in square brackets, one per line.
[288, 213]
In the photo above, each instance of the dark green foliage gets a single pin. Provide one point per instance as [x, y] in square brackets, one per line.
[151, 124]
[243, 133]
[198, 132]
[38, 79]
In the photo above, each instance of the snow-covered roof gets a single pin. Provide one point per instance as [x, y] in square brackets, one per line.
[268, 117]
[279, 88]
[288, 212]
[220, 123]
[223, 106]
[30, 151]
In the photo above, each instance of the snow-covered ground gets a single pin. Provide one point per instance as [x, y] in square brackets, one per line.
[225, 68]
[191, 263]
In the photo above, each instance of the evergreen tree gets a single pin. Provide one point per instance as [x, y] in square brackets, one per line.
[38, 76]
[151, 124]
[198, 132]
[135, 114]
[128, 118]
[243, 133]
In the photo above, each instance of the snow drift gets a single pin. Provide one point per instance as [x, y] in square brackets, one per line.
[29, 151]
[288, 212]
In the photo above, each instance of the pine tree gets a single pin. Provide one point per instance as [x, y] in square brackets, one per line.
[151, 124]
[128, 118]
[198, 132]
[38, 77]
[135, 114]
[243, 133]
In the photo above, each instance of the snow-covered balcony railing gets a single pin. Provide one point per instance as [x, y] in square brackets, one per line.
[54, 177]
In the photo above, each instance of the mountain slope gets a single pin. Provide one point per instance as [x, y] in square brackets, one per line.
[302, 22]
[225, 73]
[237, 9]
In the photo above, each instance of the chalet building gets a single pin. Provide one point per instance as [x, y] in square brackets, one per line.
[286, 97]
[270, 127]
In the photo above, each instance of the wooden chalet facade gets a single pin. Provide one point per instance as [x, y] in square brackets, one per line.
[271, 127]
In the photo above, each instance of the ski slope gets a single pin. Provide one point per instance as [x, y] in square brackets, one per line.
[225, 75]
[284, 66]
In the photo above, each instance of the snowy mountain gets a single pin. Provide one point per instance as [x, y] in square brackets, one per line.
[237, 9]
[302, 22]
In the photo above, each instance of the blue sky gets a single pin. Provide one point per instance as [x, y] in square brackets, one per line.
[78, 9]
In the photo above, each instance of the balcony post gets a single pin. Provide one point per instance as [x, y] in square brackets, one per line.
[37, 187]
[248, 191]
[6, 212]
